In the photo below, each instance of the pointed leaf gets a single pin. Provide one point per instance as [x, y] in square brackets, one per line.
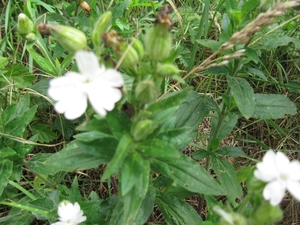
[6, 167]
[227, 177]
[188, 174]
[124, 147]
[43, 133]
[79, 155]
[176, 211]
[158, 149]
[270, 106]
[130, 172]
[133, 200]
[243, 95]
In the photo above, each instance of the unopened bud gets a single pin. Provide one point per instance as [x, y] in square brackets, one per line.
[158, 42]
[146, 91]
[138, 46]
[31, 37]
[167, 70]
[68, 37]
[102, 25]
[25, 25]
[131, 57]
[143, 129]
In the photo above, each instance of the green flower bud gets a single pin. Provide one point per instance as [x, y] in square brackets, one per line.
[146, 91]
[25, 25]
[143, 129]
[131, 58]
[167, 70]
[102, 25]
[158, 42]
[138, 46]
[31, 37]
[68, 37]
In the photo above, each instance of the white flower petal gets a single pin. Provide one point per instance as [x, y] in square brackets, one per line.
[69, 214]
[294, 188]
[113, 77]
[274, 191]
[87, 62]
[294, 170]
[73, 90]
[102, 96]
[65, 86]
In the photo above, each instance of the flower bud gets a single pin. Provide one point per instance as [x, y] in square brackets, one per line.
[167, 70]
[68, 37]
[25, 25]
[131, 58]
[138, 47]
[31, 37]
[146, 91]
[143, 129]
[102, 25]
[158, 42]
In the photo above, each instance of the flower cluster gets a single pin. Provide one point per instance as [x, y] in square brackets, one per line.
[69, 214]
[94, 83]
[280, 175]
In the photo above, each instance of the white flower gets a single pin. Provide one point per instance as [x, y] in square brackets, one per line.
[280, 174]
[69, 214]
[94, 83]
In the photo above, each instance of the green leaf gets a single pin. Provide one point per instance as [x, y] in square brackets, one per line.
[257, 72]
[3, 62]
[227, 177]
[119, 123]
[79, 155]
[179, 137]
[119, 9]
[270, 42]
[124, 147]
[64, 126]
[17, 126]
[6, 167]
[41, 86]
[188, 174]
[157, 149]
[37, 165]
[146, 207]
[7, 153]
[193, 110]
[130, 172]
[176, 211]
[200, 154]
[266, 214]
[91, 136]
[270, 106]
[226, 126]
[43, 133]
[41, 61]
[15, 110]
[165, 107]
[248, 7]
[244, 173]
[211, 44]
[133, 200]
[243, 95]
[231, 151]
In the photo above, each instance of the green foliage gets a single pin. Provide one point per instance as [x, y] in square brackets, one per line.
[173, 136]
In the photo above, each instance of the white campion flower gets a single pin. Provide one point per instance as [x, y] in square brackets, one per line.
[69, 214]
[280, 174]
[94, 83]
